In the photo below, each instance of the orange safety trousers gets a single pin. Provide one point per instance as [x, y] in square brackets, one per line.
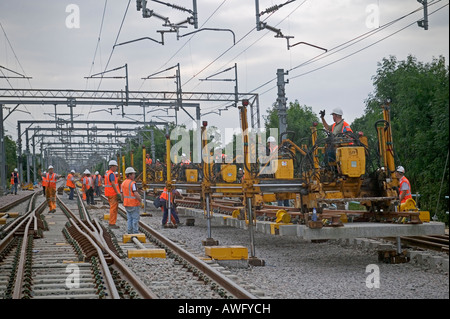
[113, 208]
[50, 194]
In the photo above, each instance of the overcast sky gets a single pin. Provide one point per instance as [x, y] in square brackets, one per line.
[46, 43]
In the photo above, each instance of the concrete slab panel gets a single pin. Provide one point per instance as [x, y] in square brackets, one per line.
[361, 230]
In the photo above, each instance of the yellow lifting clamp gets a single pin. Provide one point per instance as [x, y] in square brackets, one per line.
[409, 205]
[283, 216]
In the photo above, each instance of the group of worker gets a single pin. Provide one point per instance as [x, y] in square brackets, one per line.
[125, 192]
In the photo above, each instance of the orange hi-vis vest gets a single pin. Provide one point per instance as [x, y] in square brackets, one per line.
[128, 195]
[109, 189]
[44, 180]
[165, 195]
[408, 192]
[148, 161]
[69, 182]
[345, 127]
[99, 179]
[12, 177]
[51, 180]
[87, 182]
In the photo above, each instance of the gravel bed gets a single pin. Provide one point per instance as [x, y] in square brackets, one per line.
[300, 269]
[295, 268]
[167, 278]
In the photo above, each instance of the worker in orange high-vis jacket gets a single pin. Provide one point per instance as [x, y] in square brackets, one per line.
[339, 127]
[97, 183]
[88, 184]
[44, 182]
[148, 160]
[112, 192]
[83, 188]
[404, 188]
[164, 199]
[50, 190]
[131, 201]
[15, 181]
[70, 182]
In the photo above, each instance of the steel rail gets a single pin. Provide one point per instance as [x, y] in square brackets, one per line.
[96, 235]
[17, 292]
[16, 224]
[15, 203]
[105, 269]
[30, 221]
[212, 273]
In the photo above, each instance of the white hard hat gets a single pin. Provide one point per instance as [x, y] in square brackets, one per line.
[271, 139]
[183, 155]
[96, 172]
[87, 172]
[400, 169]
[15, 170]
[50, 167]
[337, 111]
[72, 171]
[130, 170]
[113, 163]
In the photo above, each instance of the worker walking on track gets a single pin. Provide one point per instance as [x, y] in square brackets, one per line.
[15, 181]
[50, 190]
[70, 182]
[44, 183]
[88, 187]
[112, 192]
[131, 200]
[97, 183]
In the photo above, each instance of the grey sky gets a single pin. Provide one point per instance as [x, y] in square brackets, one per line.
[59, 57]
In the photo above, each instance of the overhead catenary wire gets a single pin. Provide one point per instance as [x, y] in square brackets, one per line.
[189, 40]
[345, 45]
[20, 65]
[98, 41]
[112, 50]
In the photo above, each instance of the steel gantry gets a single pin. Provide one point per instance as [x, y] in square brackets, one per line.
[72, 146]
[101, 98]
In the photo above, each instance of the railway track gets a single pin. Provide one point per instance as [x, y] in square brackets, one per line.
[61, 256]
[71, 254]
[192, 269]
[433, 242]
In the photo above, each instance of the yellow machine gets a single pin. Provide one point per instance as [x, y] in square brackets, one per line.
[229, 173]
[191, 175]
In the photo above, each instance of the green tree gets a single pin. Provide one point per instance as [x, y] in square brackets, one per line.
[419, 94]
[299, 122]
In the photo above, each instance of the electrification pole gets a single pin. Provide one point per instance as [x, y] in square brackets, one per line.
[281, 100]
[424, 22]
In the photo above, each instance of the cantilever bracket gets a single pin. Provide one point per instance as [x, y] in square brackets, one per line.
[312, 45]
[144, 38]
[209, 29]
